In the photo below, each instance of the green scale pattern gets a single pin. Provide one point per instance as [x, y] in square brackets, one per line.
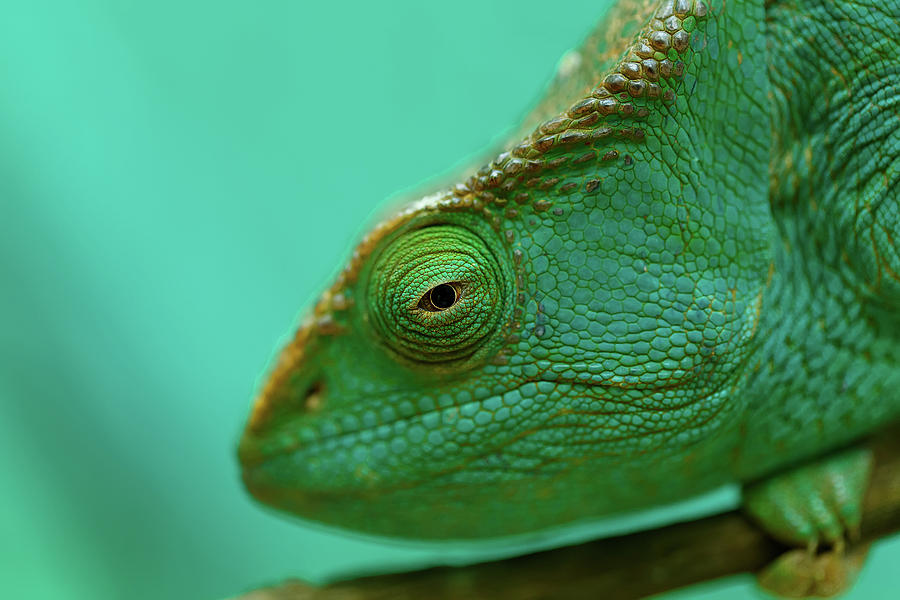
[656, 294]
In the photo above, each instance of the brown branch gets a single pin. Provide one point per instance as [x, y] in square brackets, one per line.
[619, 568]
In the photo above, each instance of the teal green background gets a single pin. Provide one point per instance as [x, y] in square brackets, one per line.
[178, 181]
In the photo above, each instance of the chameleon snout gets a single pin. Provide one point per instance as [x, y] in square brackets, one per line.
[270, 436]
[298, 398]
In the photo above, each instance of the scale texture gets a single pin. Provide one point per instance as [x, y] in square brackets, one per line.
[682, 272]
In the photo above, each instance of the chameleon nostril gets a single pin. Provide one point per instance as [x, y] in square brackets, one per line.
[315, 397]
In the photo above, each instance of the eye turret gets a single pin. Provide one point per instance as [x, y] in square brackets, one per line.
[439, 294]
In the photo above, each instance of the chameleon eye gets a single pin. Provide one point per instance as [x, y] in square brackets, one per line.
[441, 297]
[439, 294]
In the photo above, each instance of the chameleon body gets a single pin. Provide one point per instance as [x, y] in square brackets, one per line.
[682, 272]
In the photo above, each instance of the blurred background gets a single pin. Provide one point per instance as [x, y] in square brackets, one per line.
[177, 182]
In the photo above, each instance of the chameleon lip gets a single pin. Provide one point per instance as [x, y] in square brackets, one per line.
[310, 503]
[249, 453]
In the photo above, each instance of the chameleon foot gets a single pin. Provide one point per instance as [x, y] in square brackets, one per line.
[815, 505]
[803, 573]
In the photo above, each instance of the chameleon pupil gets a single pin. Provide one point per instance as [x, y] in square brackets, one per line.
[443, 296]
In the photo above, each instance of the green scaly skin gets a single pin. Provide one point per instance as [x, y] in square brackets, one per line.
[687, 275]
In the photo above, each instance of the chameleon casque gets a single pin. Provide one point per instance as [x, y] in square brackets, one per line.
[683, 271]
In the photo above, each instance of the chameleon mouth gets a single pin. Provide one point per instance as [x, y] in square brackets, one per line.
[304, 502]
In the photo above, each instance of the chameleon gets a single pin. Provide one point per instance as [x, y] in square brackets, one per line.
[681, 271]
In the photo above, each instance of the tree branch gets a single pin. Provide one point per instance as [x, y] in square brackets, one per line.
[622, 568]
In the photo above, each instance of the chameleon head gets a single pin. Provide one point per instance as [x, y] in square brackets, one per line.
[553, 338]
[386, 388]
[452, 384]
